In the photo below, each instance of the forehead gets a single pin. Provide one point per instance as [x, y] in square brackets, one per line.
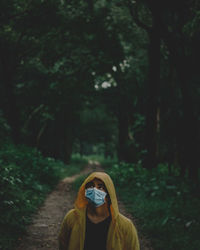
[95, 181]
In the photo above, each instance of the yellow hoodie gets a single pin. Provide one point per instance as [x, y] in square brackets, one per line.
[122, 234]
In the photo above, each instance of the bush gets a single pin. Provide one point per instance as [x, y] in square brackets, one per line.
[26, 177]
[165, 206]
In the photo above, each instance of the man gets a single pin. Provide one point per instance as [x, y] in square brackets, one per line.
[96, 223]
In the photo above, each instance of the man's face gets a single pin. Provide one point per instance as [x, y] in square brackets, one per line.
[99, 184]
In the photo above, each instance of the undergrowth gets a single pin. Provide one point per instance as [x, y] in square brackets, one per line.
[165, 206]
[26, 177]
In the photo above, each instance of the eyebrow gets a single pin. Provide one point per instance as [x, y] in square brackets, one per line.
[101, 185]
[92, 183]
[89, 184]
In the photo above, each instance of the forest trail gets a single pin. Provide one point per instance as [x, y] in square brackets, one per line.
[42, 234]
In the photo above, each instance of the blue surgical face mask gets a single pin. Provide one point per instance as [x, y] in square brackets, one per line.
[95, 196]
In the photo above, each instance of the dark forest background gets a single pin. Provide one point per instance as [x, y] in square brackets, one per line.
[117, 78]
[120, 75]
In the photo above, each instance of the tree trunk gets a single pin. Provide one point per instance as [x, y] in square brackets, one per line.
[67, 137]
[188, 140]
[68, 146]
[123, 124]
[122, 116]
[152, 98]
[9, 102]
[189, 128]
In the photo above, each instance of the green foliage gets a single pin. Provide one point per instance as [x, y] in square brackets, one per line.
[77, 163]
[98, 159]
[96, 132]
[51, 99]
[42, 67]
[26, 177]
[78, 182]
[166, 207]
[86, 158]
[97, 121]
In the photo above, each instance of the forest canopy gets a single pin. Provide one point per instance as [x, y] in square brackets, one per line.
[119, 76]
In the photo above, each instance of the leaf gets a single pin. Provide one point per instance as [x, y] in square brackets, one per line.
[165, 221]
[188, 224]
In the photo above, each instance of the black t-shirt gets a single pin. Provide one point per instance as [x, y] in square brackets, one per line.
[96, 234]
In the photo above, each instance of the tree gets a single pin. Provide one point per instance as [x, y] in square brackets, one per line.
[153, 82]
[174, 18]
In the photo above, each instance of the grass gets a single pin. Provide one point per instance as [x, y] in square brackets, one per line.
[26, 179]
[165, 207]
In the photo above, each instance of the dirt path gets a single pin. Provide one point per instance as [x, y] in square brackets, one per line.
[42, 233]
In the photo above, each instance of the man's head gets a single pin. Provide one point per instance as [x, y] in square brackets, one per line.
[106, 181]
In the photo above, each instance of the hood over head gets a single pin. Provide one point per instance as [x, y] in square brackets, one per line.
[81, 201]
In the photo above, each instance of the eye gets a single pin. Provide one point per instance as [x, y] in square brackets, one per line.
[89, 185]
[101, 187]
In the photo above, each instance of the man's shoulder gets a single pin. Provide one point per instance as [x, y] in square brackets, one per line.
[124, 219]
[124, 223]
[74, 214]
[70, 216]
[71, 212]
